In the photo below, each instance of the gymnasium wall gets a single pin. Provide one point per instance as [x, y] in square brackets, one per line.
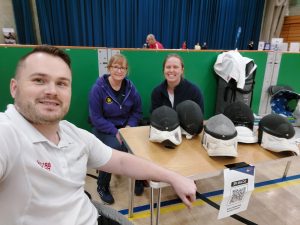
[145, 70]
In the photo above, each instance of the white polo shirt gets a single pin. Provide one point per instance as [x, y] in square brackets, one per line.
[43, 183]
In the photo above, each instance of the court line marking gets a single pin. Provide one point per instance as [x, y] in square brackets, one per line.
[216, 196]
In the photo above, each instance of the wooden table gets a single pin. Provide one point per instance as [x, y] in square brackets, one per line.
[189, 159]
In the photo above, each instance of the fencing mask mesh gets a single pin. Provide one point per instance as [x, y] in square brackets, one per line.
[164, 127]
[190, 118]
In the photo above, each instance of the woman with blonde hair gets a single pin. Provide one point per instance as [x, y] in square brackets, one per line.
[114, 103]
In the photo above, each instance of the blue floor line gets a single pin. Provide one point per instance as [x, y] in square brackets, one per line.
[210, 194]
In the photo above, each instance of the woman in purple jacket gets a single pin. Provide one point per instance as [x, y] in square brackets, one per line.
[114, 103]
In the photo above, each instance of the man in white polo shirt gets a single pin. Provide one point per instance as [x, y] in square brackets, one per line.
[44, 159]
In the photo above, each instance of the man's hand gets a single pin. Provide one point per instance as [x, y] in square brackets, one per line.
[185, 188]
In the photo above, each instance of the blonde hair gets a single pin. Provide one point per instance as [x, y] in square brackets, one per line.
[117, 59]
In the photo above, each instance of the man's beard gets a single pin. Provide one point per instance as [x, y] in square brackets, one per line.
[30, 111]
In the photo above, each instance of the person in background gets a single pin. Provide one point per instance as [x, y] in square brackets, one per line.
[251, 45]
[114, 103]
[44, 159]
[153, 43]
[204, 46]
[197, 46]
[184, 45]
[175, 88]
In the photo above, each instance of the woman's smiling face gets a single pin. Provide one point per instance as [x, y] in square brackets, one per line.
[173, 70]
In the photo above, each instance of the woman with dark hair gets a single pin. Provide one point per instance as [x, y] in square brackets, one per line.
[175, 88]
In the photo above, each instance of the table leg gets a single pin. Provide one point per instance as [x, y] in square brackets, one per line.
[131, 197]
[151, 205]
[158, 206]
[288, 164]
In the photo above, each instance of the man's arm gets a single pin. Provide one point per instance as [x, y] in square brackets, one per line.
[140, 169]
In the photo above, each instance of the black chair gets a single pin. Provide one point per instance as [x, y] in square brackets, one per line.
[110, 216]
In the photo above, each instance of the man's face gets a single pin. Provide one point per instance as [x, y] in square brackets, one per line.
[42, 89]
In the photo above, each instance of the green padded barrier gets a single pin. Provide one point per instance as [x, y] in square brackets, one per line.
[145, 71]
[289, 71]
[8, 62]
[84, 70]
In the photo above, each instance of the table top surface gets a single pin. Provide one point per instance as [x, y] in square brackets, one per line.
[190, 157]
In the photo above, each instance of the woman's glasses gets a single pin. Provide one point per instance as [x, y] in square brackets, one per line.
[117, 68]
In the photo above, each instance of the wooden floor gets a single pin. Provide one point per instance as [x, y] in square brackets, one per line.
[275, 202]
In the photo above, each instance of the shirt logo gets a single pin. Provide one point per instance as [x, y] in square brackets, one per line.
[108, 100]
[45, 165]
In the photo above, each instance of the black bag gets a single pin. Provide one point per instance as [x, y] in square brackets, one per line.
[228, 93]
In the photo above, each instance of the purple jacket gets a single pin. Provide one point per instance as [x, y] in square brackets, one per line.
[106, 114]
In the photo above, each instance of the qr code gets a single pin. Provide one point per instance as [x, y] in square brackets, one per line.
[237, 195]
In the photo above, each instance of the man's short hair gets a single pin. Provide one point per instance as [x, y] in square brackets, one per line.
[50, 50]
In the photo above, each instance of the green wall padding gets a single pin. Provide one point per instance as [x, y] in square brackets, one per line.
[8, 61]
[85, 72]
[289, 71]
[146, 73]
[145, 70]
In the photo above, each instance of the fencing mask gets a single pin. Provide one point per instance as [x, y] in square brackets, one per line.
[276, 133]
[220, 136]
[164, 127]
[242, 117]
[190, 118]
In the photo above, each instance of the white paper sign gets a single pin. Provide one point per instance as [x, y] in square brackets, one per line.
[261, 46]
[9, 35]
[294, 46]
[238, 187]
[102, 61]
[104, 55]
[283, 47]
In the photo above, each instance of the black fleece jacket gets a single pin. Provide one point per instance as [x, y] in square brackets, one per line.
[185, 90]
